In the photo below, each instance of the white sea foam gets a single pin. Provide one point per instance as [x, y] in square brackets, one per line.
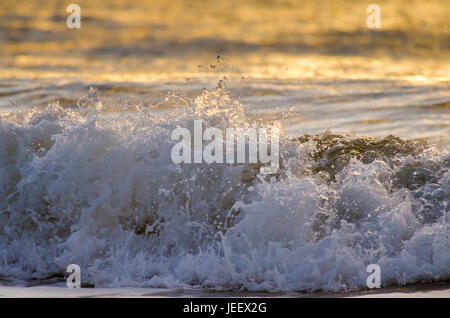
[81, 186]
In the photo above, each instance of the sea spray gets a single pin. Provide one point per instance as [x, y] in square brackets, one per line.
[79, 186]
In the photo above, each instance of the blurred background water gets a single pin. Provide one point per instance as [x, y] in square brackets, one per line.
[317, 58]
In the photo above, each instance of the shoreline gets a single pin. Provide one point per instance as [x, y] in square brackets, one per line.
[440, 290]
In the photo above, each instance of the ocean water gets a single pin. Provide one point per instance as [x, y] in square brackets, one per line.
[86, 175]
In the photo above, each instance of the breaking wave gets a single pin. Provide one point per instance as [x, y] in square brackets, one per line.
[86, 186]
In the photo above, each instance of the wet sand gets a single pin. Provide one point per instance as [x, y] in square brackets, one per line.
[411, 291]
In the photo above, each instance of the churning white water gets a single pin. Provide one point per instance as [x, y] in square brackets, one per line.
[80, 185]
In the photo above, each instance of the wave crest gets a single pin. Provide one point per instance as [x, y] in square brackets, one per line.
[81, 185]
